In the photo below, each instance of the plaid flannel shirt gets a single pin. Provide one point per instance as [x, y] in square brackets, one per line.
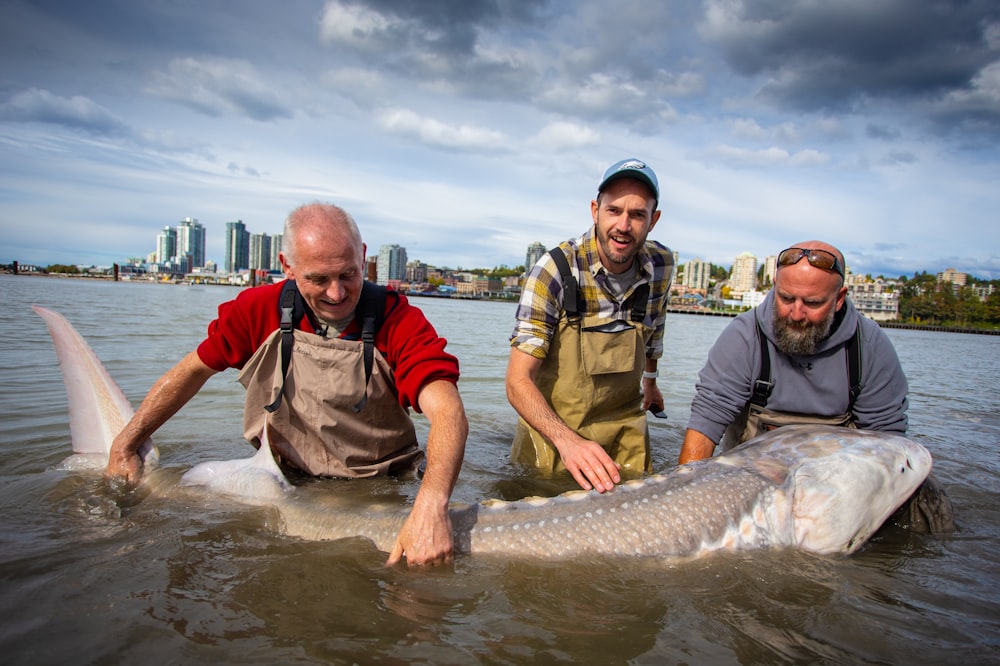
[541, 303]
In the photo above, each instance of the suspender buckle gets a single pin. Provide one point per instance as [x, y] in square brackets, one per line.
[761, 392]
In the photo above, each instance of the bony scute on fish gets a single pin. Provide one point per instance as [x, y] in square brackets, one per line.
[818, 488]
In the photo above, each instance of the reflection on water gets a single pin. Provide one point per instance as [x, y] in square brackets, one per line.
[173, 576]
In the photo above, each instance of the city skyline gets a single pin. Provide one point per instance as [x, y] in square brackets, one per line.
[393, 259]
[466, 131]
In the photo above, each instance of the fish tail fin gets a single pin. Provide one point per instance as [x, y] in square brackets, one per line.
[98, 409]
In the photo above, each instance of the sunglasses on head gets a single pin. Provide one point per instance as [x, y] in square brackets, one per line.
[818, 258]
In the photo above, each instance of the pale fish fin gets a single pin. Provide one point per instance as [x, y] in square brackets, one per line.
[98, 409]
[255, 479]
[264, 458]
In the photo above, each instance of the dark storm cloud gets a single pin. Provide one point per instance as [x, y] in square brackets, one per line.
[899, 158]
[118, 51]
[842, 55]
[150, 28]
[80, 113]
[108, 47]
[605, 64]
[874, 131]
[218, 87]
[49, 42]
[438, 41]
[448, 27]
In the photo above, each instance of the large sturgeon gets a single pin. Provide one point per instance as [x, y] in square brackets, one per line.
[818, 488]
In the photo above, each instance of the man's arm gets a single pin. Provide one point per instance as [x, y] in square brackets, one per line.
[724, 386]
[651, 394]
[426, 536]
[168, 395]
[586, 460]
[883, 402]
[696, 447]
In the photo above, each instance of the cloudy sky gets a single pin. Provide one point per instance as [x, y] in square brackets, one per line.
[465, 130]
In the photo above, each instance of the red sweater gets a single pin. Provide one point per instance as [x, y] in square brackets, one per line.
[409, 343]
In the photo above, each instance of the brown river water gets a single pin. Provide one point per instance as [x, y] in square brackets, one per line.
[90, 577]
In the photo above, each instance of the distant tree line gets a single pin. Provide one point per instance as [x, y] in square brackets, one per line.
[501, 271]
[63, 268]
[924, 300]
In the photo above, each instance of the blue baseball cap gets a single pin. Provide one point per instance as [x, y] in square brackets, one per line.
[631, 168]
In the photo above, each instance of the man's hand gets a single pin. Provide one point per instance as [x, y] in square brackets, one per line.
[426, 536]
[589, 463]
[585, 459]
[126, 465]
[425, 539]
[168, 394]
[651, 394]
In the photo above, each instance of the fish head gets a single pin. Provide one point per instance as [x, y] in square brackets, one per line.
[840, 498]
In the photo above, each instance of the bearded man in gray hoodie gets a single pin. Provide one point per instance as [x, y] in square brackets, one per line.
[805, 355]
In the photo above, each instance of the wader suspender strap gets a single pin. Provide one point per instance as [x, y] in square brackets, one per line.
[371, 313]
[640, 300]
[572, 297]
[290, 306]
[853, 348]
[763, 386]
[372, 306]
[571, 290]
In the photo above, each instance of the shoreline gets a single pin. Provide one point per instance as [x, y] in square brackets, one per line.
[935, 328]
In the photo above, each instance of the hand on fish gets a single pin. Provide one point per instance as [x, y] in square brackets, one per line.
[426, 538]
[123, 465]
[590, 465]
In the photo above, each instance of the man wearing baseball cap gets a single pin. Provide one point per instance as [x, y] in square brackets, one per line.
[589, 334]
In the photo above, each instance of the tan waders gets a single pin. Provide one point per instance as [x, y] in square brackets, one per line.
[591, 380]
[755, 420]
[316, 428]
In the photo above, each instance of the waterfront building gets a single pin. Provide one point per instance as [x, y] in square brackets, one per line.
[853, 279]
[260, 252]
[744, 274]
[876, 299]
[984, 291]
[182, 265]
[275, 251]
[753, 298]
[952, 276]
[697, 274]
[237, 247]
[391, 264]
[770, 269]
[416, 272]
[191, 241]
[535, 252]
[166, 245]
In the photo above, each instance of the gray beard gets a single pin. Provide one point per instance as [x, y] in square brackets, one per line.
[799, 339]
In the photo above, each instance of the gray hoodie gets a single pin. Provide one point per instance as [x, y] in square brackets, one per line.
[815, 385]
